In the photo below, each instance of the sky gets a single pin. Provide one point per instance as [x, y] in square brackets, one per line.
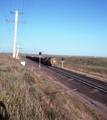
[56, 27]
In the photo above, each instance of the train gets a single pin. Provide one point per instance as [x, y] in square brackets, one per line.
[50, 61]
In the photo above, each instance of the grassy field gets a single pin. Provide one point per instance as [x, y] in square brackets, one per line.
[23, 96]
[97, 66]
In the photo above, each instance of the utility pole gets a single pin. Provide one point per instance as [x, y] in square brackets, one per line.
[15, 32]
[17, 54]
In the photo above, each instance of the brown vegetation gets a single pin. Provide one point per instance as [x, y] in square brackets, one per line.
[27, 96]
[97, 66]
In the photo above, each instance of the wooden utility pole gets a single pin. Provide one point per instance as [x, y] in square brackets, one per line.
[15, 32]
[17, 54]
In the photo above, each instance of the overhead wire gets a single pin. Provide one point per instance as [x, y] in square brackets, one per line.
[28, 9]
[21, 9]
[6, 9]
[32, 3]
[3, 9]
[21, 16]
[22, 6]
[2, 4]
[25, 5]
[24, 9]
[7, 35]
[11, 5]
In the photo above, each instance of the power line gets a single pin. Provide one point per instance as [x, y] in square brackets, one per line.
[4, 13]
[26, 6]
[7, 35]
[30, 8]
[15, 33]
[22, 5]
[3, 8]
[11, 5]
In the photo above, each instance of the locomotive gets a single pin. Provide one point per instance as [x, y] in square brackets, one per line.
[50, 61]
[46, 60]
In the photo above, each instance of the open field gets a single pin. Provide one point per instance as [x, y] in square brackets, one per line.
[23, 93]
[97, 66]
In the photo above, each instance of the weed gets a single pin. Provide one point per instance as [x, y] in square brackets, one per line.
[76, 113]
[22, 69]
[94, 104]
[86, 64]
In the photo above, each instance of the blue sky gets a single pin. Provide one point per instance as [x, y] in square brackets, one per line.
[59, 27]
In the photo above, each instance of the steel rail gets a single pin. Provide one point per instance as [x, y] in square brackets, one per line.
[82, 81]
[86, 77]
[78, 79]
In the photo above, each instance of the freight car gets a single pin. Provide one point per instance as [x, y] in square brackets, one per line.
[34, 58]
[46, 60]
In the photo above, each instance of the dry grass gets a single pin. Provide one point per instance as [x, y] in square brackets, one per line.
[97, 66]
[23, 93]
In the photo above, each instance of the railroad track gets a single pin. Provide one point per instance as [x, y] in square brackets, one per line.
[91, 82]
[85, 77]
[93, 96]
[101, 87]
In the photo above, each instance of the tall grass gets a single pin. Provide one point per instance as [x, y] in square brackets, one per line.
[27, 96]
[97, 66]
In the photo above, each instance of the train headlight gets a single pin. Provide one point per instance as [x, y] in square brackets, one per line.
[54, 61]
